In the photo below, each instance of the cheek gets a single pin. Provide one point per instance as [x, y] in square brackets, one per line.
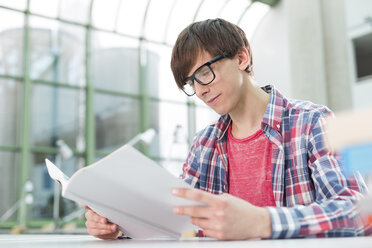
[233, 84]
[232, 76]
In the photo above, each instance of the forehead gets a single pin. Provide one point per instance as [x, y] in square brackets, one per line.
[202, 58]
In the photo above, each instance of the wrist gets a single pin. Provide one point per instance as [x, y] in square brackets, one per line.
[265, 229]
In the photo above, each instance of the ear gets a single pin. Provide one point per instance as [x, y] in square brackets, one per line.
[243, 59]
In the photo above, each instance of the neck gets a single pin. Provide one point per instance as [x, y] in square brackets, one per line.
[250, 109]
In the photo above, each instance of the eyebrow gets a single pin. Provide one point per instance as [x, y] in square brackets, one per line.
[209, 62]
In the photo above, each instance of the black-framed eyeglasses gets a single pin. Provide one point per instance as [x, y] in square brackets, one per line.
[204, 75]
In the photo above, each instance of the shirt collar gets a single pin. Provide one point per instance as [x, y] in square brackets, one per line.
[274, 110]
[272, 116]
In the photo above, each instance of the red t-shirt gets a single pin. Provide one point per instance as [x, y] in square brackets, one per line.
[250, 173]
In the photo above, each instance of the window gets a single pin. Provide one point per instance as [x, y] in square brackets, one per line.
[363, 55]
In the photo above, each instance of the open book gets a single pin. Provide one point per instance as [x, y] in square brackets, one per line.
[130, 190]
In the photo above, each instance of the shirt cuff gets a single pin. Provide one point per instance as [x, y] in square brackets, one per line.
[284, 222]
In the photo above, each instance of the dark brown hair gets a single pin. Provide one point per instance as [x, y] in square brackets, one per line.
[214, 36]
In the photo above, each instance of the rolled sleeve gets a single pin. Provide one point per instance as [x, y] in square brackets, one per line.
[285, 223]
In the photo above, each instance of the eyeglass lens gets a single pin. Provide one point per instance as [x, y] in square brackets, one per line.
[204, 75]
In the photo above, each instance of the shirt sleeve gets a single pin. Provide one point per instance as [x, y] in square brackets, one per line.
[334, 212]
[191, 168]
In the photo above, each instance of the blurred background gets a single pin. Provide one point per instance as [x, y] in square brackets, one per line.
[96, 73]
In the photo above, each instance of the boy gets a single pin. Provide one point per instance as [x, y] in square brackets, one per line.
[263, 169]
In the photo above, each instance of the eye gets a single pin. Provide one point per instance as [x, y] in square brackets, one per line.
[203, 73]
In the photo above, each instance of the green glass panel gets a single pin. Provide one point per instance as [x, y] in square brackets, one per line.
[159, 75]
[16, 4]
[10, 112]
[114, 63]
[46, 8]
[11, 42]
[43, 193]
[9, 184]
[104, 14]
[170, 122]
[57, 51]
[57, 113]
[116, 121]
[204, 116]
[131, 15]
[75, 10]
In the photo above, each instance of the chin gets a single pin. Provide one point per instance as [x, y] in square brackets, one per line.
[221, 111]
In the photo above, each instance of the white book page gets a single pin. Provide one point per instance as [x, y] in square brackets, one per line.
[132, 191]
[57, 175]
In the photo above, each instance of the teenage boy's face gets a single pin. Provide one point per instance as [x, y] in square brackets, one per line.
[223, 94]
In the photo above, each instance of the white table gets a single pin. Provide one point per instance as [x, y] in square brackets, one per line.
[83, 241]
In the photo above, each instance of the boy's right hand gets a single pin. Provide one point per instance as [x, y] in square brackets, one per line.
[99, 226]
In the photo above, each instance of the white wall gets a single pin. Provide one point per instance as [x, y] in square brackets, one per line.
[270, 50]
[356, 12]
[303, 48]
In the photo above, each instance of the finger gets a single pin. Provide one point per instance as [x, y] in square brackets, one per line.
[114, 235]
[86, 207]
[93, 216]
[195, 194]
[207, 224]
[193, 211]
[99, 226]
[101, 232]
[214, 234]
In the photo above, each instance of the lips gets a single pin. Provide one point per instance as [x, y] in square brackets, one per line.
[213, 100]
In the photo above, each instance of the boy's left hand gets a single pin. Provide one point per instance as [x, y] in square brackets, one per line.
[224, 217]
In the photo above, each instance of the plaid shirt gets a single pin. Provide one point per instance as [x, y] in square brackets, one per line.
[312, 195]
